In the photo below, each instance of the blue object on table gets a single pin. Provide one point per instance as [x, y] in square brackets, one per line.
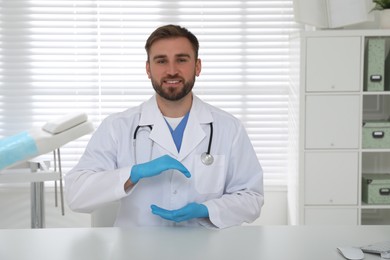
[16, 148]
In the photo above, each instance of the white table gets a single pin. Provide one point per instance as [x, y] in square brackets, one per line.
[238, 243]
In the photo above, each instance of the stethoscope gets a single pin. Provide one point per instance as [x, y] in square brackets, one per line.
[207, 158]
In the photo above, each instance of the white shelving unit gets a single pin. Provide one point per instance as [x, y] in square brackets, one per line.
[333, 104]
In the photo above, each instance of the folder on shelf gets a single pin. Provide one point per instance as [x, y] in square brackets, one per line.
[387, 69]
[376, 56]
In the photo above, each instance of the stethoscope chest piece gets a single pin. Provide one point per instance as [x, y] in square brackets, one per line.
[207, 159]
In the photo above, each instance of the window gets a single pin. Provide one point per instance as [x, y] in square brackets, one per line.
[65, 56]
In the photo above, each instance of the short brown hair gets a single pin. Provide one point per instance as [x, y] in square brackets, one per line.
[172, 31]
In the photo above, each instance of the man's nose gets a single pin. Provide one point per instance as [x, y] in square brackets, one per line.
[172, 69]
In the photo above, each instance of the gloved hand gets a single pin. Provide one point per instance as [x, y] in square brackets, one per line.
[155, 167]
[192, 210]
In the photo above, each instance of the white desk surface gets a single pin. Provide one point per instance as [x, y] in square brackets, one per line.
[238, 243]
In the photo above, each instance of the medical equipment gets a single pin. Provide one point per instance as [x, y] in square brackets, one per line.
[207, 158]
[20, 158]
[135, 141]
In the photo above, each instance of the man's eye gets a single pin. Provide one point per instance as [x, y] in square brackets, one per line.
[161, 61]
[182, 60]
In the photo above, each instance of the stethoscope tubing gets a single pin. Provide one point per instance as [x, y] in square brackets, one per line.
[210, 139]
[208, 153]
[138, 127]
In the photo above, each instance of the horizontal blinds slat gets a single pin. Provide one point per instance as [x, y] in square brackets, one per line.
[59, 56]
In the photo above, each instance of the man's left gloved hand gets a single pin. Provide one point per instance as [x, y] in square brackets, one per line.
[190, 211]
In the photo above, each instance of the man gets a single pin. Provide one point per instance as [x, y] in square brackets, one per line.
[192, 165]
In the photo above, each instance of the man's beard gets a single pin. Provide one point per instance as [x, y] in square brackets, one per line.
[173, 93]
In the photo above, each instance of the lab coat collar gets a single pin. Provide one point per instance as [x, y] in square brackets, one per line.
[193, 134]
[201, 111]
[150, 111]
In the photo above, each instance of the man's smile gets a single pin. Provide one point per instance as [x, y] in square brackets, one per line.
[172, 82]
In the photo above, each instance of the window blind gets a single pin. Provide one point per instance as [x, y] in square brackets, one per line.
[61, 56]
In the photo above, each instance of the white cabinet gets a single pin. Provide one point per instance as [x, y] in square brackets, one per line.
[331, 216]
[333, 103]
[331, 178]
[332, 121]
[339, 66]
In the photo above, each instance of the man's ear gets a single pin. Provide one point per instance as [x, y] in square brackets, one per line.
[198, 67]
[147, 66]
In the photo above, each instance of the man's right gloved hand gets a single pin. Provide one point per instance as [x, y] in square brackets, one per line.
[155, 167]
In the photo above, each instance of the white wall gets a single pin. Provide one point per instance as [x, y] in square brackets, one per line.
[274, 211]
[15, 209]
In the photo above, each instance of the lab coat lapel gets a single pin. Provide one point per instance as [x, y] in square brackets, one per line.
[194, 133]
[151, 115]
[162, 136]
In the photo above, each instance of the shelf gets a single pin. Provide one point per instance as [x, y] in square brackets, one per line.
[373, 93]
[335, 148]
[376, 150]
[375, 216]
[374, 206]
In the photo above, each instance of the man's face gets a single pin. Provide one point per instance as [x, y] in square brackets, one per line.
[172, 67]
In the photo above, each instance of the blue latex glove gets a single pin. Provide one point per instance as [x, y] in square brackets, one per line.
[192, 210]
[155, 167]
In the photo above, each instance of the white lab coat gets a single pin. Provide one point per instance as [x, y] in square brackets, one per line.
[231, 188]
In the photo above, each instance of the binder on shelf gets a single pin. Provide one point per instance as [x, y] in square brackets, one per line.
[387, 69]
[376, 135]
[376, 56]
[376, 188]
